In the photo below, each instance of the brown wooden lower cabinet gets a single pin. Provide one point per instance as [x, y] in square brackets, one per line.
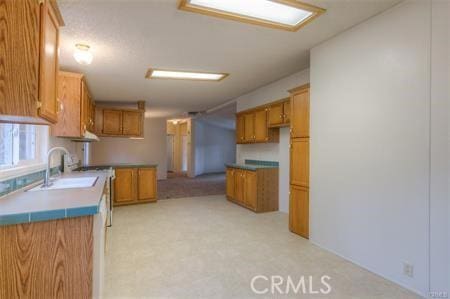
[135, 185]
[230, 182]
[48, 259]
[299, 211]
[256, 190]
[147, 184]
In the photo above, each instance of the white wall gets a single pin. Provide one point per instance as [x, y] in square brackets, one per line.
[151, 149]
[272, 151]
[214, 146]
[370, 145]
[72, 147]
[439, 193]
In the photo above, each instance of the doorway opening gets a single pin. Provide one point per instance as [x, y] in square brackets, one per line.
[178, 135]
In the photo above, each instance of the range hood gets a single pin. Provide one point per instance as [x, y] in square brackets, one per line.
[87, 137]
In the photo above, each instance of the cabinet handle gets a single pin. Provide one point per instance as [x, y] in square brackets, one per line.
[60, 105]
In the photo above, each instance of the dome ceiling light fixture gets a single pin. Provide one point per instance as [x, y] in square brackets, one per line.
[82, 54]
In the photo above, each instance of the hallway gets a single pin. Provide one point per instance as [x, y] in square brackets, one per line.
[179, 186]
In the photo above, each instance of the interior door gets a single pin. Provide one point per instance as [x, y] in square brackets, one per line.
[170, 153]
[184, 153]
[300, 114]
[300, 162]
[48, 77]
[261, 130]
[131, 123]
[299, 211]
[112, 122]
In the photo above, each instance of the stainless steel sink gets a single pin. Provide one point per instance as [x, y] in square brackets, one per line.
[68, 183]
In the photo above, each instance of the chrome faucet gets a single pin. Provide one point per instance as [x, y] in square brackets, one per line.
[47, 171]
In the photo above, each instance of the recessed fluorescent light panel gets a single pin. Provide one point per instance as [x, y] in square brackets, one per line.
[280, 14]
[184, 75]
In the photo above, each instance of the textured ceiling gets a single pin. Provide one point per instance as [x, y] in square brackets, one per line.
[127, 37]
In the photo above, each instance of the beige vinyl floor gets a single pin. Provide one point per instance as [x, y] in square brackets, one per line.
[207, 247]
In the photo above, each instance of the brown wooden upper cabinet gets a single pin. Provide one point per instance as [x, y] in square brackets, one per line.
[112, 122]
[240, 129]
[279, 114]
[131, 123]
[252, 127]
[249, 127]
[75, 115]
[29, 55]
[117, 122]
[300, 112]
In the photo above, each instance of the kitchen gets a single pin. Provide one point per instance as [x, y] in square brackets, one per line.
[310, 126]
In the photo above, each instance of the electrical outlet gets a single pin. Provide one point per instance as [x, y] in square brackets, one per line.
[408, 269]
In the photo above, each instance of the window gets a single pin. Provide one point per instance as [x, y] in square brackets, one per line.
[19, 145]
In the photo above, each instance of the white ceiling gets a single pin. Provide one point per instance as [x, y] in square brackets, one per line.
[127, 37]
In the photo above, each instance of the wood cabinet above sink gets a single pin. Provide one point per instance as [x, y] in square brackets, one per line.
[119, 122]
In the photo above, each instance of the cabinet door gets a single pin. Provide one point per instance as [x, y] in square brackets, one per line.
[112, 122]
[85, 107]
[239, 186]
[125, 185]
[131, 123]
[300, 114]
[250, 195]
[230, 182]
[287, 112]
[261, 130]
[300, 162]
[92, 116]
[69, 95]
[299, 211]
[19, 56]
[240, 131]
[276, 114]
[147, 184]
[49, 66]
[249, 127]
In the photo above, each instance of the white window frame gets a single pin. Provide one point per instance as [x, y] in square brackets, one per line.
[24, 167]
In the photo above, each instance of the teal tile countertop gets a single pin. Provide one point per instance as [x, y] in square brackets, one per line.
[23, 206]
[254, 165]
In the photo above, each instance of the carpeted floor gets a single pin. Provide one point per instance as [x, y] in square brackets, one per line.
[178, 186]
